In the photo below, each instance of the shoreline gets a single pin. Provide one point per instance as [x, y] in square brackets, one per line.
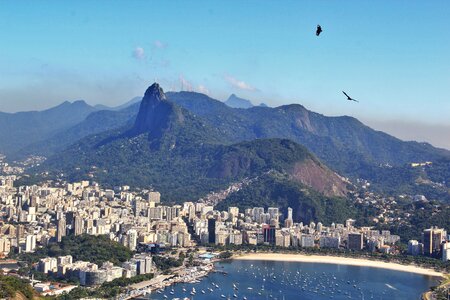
[338, 260]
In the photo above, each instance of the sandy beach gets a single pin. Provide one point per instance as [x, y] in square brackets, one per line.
[338, 260]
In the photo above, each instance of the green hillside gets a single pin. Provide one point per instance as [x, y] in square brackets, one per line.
[172, 150]
[277, 190]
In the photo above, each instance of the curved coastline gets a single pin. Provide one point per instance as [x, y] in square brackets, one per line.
[337, 260]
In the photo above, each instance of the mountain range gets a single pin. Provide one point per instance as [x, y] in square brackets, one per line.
[183, 156]
[345, 144]
[187, 144]
[21, 129]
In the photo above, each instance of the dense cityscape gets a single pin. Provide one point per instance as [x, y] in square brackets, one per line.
[38, 216]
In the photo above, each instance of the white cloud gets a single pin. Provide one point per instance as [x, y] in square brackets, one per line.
[159, 44]
[202, 89]
[238, 84]
[185, 84]
[139, 53]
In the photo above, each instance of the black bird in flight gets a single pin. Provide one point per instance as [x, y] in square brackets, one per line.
[318, 30]
[349, 98]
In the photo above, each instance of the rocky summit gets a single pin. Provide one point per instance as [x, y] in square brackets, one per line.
[154, 111]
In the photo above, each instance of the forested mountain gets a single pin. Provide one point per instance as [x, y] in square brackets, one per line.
[335, 140]
[24, 128]
[345, 136]
[184, 157]
[345, 144]
[196, 121]
[96, 122]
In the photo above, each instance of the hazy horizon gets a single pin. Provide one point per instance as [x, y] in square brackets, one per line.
[435, 134]
[391, 56]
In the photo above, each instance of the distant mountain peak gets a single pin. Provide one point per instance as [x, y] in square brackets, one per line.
[80, 102]
[154, 93]
[154, 111]
[72, 105]
[237, 102]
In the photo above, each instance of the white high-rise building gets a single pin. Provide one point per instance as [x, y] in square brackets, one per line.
[132, 239]
[445, 251]
[65, 260]
[78, 225]
[5, 245]
[234, 211]
[413, 247]
[154, 197]
[256, 213]
[307, 241]
[288, 222]
[61, 229]
[273, 212]
[289, 213]
[155, 213]
[30, 244]
[48, 264]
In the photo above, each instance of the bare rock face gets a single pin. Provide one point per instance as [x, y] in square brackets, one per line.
[319, 177]
[154, 111]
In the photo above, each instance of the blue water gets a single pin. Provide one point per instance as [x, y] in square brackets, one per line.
[295, 280]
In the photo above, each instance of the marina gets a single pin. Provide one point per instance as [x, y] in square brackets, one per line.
[290, 280]
[162, 283]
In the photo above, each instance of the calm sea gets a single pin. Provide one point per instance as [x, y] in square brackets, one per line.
[298, 280]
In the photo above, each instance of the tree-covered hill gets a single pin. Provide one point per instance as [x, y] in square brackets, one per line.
[10, 286]
[346, 136]
[96, 249]
[277, 190]
[178, 153]
[94, 123]
[343, 143]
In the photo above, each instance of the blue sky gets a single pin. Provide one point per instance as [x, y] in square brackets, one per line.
[391, 55]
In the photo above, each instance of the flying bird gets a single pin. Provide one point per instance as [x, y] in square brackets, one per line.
[318, 30]
[349, 98]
